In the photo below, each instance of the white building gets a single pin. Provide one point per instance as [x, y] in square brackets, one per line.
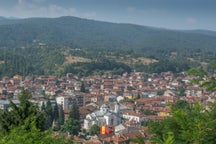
[132, 116]
[68, 100]
[104, 116]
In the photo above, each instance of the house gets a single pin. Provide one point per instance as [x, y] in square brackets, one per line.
[109, 98]
[193, 91]
[3, 90]
[131, 115]
[149, 93]
[84, 110]
[4, 103]
[116, 139]
[119, 129]
[15, 81]
[127, 127]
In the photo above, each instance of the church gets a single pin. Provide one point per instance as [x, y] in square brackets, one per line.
[103, 116]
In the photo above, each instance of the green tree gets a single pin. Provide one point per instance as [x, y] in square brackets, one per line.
[138, 140]
[74, 112]
[187, 124]
[58, 115]
[28, 133]
[72, 126]
[49, 115]
[43, 107]
[181, 91]
[61, 115]
[94, 130]
[203, 78]
[160, 93]
[82, 88]
[55, 112]
[18, 114]
[166, 139]
[138, 96]
[181, 104]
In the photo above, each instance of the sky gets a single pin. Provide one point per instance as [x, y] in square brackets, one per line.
[170, 14]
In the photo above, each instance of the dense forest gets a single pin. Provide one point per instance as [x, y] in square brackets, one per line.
[44, 46]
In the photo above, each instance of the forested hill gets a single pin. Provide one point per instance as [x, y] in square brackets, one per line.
[94, 34]
[46, 46]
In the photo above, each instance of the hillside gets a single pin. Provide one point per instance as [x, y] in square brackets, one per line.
[89, 33]
[37, 46]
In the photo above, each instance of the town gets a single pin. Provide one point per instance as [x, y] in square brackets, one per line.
[120, 105]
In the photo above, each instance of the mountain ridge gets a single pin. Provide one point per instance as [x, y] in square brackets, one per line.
[81, 32]
[153, 27]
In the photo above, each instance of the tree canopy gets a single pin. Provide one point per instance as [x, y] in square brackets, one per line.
[28, 133]
[204, 78]
[17, 114]
[26, 124]
[72, 125]
[187, 124]
[94, 130]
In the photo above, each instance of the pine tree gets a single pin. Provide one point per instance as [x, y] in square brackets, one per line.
[72, 125]
[82, 89]
[43, 107]
[74, 113]
[55, 112]
[138, 96]
[61, 115]
[18, 114]
[49, 115]
[56, 124]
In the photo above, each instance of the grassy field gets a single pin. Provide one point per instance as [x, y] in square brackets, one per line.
[74, 59]
[130, 61]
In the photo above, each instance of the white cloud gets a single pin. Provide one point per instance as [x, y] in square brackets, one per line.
[20, 2]
[38, 1]
[55, 10]
[191, 20]
[34, 8]
[149, 10]
[131, 9]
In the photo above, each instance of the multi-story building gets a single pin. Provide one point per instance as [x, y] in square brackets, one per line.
[68, 100]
